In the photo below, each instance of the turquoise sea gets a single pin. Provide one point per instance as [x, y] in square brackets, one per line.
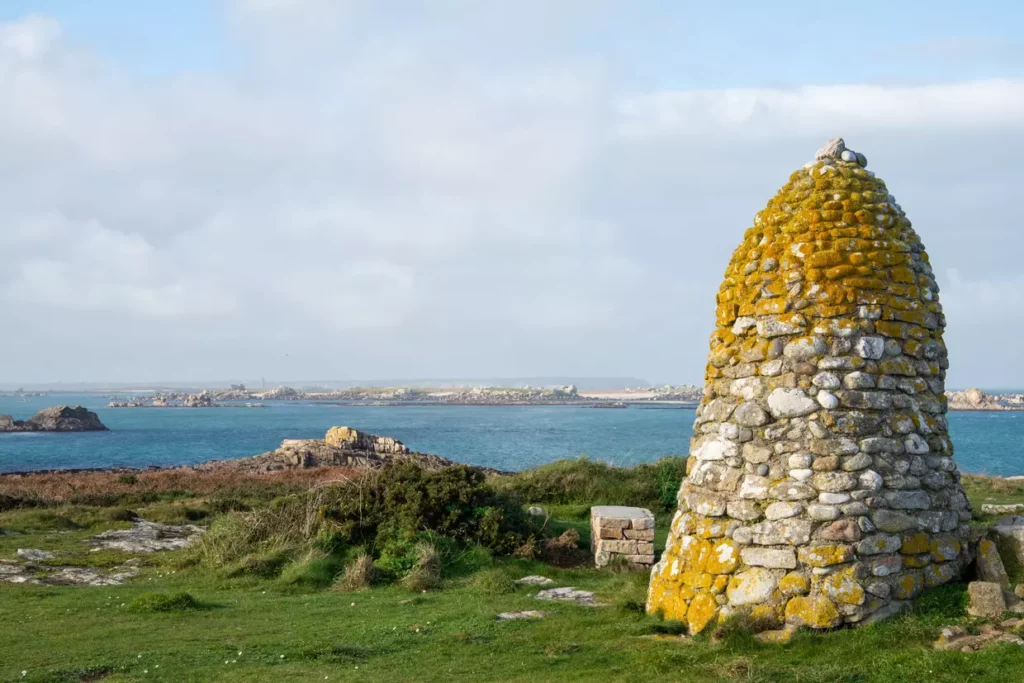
[505, 437]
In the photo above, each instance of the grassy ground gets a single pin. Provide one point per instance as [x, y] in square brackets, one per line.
[177, 622]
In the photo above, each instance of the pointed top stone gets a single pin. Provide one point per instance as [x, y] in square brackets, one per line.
[833, 149]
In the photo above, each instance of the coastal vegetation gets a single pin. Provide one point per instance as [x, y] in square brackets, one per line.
[399, 574]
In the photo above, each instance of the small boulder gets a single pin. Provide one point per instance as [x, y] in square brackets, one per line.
[990, 565]
[985, 599]
[535, 581]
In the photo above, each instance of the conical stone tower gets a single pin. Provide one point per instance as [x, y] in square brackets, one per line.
[821, 488]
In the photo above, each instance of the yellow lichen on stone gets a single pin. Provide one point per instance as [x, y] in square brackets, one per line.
[917, 561]
[938, 574]
[944, 548]
[843, 587]
[725, 557]
[340, 436]
[826, 555]
[916, 543]
[794, 583]
[815, 611]
[908, 585]
[702, 610]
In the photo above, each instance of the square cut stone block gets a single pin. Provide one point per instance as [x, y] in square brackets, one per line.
[621, 532]
[619, 547]
[641, 535]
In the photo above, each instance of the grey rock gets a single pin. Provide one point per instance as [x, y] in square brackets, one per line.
[534, 580]
[871, 348]
[985, 599]
[527, 614]
[785, 403]
[833, 149]
[569, 594]
[749, 414]
[772, 558]
[148, 537]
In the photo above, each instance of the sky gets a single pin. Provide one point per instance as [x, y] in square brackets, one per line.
[348, 189]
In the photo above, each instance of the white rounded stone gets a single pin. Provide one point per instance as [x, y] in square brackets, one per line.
[822, 513]
[833, 498]
[828, 400]
[800, 461]
[790, 403]
[801, 475]
[783, 509]
[870, 480]
[848, 155]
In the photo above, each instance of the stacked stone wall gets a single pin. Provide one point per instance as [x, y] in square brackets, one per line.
[821, 488]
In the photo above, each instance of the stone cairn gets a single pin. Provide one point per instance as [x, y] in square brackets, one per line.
[625, 533]
[820, 487]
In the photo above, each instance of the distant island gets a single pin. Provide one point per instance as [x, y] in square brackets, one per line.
[238, 395]
[56, 419]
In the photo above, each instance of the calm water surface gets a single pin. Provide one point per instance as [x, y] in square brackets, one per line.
[506, 437]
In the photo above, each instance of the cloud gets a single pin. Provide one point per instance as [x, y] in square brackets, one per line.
[421, 196]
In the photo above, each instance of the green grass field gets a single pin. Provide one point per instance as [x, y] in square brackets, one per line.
[176, 622]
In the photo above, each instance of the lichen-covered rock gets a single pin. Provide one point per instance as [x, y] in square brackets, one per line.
[821, 451]
[990, 565]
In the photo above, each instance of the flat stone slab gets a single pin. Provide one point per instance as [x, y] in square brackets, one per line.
[568, 594]
[535, 581]
[34, 555]
[65, 576]
[956, 638]
[1012, 509]
[528, 614]
[619, 512]
[148, 537]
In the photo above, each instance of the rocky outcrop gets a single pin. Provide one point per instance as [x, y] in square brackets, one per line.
[341, 447]
[976, 399]
[56, 419]
[821, 488]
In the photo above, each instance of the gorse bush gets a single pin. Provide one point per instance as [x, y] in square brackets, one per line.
[586, 482]
[394, 513]
[457, 503]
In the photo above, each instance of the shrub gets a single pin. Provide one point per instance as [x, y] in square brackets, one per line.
[564, 551]
[285, 526]
[359, 574]
[426, 572]
[165, 602]
[456, 502]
